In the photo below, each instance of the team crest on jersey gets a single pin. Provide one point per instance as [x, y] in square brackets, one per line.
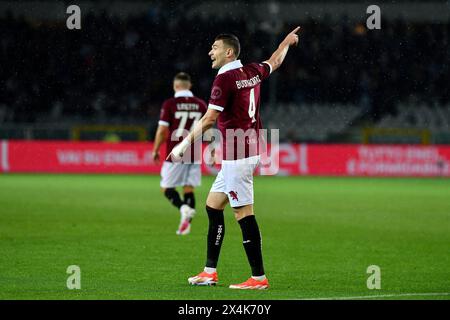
[233, 195]
[216, 93]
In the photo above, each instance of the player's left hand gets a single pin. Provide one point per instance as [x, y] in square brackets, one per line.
[156, 157]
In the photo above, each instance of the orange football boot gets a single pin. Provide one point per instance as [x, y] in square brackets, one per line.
[251, 284]
[204, 279]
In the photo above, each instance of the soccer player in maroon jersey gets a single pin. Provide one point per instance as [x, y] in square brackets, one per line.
[178, 114]
[234, 103]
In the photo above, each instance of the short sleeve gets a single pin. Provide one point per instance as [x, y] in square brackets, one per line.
[165, 115]
[263, 69]
[219, 93]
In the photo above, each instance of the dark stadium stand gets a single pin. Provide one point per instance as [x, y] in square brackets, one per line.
[119, 70]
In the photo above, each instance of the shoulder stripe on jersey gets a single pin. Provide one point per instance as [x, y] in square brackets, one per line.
[270, 67]
[213, 106]
[163, 123]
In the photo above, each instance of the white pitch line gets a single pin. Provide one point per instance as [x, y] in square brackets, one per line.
[382, 296]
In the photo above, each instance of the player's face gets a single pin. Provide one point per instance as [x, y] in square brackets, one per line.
[218, 54]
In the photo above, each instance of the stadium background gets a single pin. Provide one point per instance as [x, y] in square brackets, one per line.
[347, 84]
[348, 101]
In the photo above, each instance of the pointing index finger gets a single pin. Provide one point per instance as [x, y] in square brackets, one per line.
[296, 30]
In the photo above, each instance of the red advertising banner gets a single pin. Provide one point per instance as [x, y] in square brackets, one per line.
[80, 157]
[291, 159]
[364, 160]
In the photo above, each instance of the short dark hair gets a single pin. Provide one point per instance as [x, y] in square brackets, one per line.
[183, 76]
[230, 40]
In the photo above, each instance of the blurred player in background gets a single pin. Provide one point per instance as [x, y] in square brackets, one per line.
[234, 103]
[178, 114]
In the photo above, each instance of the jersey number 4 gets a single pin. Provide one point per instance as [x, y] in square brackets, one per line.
[184, 116]
[252, 105]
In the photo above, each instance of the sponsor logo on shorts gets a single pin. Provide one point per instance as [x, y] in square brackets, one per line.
[233, 195]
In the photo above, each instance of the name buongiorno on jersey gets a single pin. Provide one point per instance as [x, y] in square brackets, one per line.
[248, 83]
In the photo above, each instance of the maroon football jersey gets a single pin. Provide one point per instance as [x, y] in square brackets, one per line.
[236, 93]
[178, 114]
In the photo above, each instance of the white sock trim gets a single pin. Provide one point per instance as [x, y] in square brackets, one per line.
[209, 270]
[259, 278]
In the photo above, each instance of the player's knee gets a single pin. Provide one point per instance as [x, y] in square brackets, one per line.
[214, 205]
[217, 201]
[163, 190]
[188, 189]
[242, 212]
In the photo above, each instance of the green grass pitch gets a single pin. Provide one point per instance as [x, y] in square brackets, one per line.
[319, 237]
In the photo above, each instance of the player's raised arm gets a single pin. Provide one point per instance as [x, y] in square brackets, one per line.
[278, 56]
[205, 123]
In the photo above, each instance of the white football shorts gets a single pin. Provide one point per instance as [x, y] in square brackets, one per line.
[235, 178]
[180, 174]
